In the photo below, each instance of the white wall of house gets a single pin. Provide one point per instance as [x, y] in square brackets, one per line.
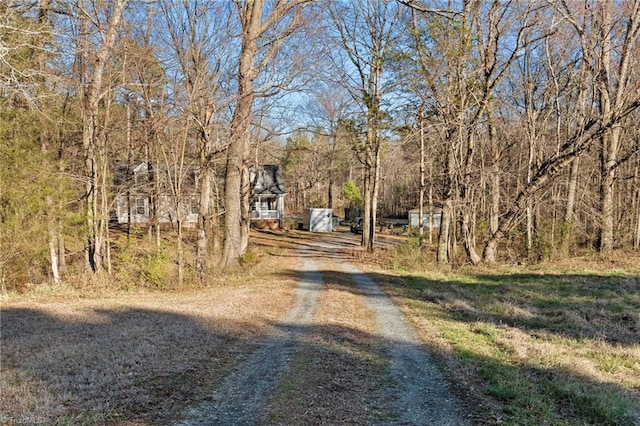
[140, 210]
[189, 211]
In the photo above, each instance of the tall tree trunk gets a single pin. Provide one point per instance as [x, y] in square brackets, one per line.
[204, 212]
[236, 178]
[431, 209]
[372, 158]
[62, 261]
[129, 163]
[423, 182]
[609, 158]
[530, 165]
[613, 92]
[467, 202]
[45, 140]
[636, 210]
[444, 235]
[367, 184]
[154, 193]
[103, 220]
[636, 239]
[180, 248]
[495, 181]
[245, 217]
[334, 142]
[53, 240]
[375, 188]
[90, 108]
[609, 140]
[569, 213]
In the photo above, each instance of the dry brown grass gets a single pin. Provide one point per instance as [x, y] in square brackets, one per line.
[132, 358]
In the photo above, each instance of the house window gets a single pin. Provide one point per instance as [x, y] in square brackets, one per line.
[141, 206]
[194, 206]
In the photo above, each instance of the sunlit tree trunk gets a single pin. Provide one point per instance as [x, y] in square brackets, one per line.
[467, 202]
[494, 179]
[92, 95]
[374, 197]
[53, 240]
[636, 200]
[236, 182]
[444, 234]
[423, 182]
[256, 21]
[569, 213]
[204, 227]
[609, 141]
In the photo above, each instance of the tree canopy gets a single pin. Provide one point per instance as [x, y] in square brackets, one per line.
[518, 121]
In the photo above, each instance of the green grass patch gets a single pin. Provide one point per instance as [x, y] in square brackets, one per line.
[545, 348]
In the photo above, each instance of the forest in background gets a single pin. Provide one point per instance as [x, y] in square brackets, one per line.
[518, 120]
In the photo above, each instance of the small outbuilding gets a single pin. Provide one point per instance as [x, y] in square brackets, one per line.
[317, 220]
[414, 218]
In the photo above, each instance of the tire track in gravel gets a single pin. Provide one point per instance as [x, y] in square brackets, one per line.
[418, 393]
[245, 392]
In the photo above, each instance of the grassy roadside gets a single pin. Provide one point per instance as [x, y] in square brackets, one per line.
[550, 346]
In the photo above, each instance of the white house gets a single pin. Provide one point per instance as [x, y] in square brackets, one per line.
[134, 191]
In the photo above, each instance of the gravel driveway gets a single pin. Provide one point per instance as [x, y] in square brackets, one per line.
[412, 392]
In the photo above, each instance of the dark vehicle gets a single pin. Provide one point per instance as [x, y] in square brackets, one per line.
[356, 225]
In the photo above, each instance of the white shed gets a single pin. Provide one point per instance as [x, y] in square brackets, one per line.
[414, 218]
[317, 220]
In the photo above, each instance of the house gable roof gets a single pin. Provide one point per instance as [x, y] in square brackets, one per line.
[267, 180]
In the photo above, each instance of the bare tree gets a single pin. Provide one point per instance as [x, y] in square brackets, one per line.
[93, 59]
[615, 86]
[199, 38]
[366, 31]
[264, 29]
[328, 108]
[616, 98]
[461, 91]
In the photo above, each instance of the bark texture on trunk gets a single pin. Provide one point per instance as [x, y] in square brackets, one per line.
[204, 210]
[236, 197]
[444, 235]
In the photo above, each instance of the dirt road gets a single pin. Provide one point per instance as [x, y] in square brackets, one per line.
[342, 354]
